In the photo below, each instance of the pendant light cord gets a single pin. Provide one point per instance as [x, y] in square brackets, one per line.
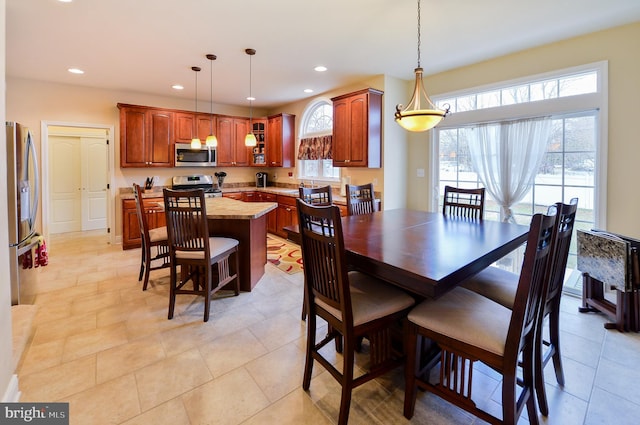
[250, 96]
[419, 34]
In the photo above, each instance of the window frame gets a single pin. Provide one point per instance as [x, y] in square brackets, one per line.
[306, 116]
[556, 106]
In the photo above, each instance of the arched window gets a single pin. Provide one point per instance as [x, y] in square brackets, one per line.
[315, 137]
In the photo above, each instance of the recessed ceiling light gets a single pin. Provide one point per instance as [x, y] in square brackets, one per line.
[320, 68]
[251, 98]
[65, 1]
[308, 90]
[177, 87]
[75, 71]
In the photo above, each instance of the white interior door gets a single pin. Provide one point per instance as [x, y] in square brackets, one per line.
[65, 184]
[94, 153]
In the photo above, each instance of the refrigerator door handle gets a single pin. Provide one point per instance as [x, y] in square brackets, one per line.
[31, 153]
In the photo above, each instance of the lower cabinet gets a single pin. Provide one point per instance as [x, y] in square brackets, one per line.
[238, 196]
[287, 214]
[264, 197]
[131, 229]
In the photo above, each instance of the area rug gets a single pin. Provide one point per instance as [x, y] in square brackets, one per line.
[285, 256]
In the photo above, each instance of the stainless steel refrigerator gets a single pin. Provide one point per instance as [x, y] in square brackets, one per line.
[23, 193]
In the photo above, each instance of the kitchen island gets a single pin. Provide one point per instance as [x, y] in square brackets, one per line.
[246, 222]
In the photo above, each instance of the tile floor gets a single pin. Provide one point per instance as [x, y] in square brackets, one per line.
[105, 346]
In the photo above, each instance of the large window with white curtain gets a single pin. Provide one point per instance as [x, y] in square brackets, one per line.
[531, 143]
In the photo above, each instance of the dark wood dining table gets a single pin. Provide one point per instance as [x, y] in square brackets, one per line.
[426, 253]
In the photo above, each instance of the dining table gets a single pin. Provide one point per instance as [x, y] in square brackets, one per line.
[425, 253]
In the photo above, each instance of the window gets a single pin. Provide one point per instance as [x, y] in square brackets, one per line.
[573, 163]
[317, 122]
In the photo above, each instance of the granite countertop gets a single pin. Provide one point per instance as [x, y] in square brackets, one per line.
[226, 208]
[127, 193]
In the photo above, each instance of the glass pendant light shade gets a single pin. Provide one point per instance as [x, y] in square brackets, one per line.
[196, 143]
[250, 139]
[420, 114]
[212, 140]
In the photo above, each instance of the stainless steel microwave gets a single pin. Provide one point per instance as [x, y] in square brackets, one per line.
[188, 157]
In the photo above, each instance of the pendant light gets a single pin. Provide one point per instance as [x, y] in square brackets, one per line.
[195, 142]
[212, 140]
[250, 138]
[420, 114]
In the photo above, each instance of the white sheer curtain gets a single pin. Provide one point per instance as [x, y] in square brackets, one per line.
[506, 156]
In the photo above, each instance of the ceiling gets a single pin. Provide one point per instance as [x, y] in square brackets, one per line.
[148, 45]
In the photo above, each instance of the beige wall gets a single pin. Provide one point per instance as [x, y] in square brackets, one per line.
[31, 102]
[619, 46]
[6, 351]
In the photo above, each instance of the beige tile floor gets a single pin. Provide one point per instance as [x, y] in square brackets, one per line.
[105, 346]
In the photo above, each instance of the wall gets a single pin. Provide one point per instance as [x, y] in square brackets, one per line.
[620, 47]
[391, 177]
[6, 349]
[30, 102]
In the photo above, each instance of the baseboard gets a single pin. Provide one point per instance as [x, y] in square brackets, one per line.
[12, 393]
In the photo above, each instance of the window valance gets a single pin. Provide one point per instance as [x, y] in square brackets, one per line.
[315, 148]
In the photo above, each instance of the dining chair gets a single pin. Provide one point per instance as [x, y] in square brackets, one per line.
[151, 238]
[360, 199]
[195, 252]
[319, 196]
[501, 285]
[468, 327]
[353, 304]
[463, 202]
[316, 195]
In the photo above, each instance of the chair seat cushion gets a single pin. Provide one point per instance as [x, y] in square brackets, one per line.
[371, 299]
[217, 246]
[496, 284]
[467, 317]
[158, 234]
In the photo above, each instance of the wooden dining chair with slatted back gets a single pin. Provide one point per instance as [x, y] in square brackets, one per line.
[154, 246]
[204, 260]
[463, 202]
[319, 196]
[500, 286]
[360, 199]
[468, 327]
[352, 303]
[316, 195]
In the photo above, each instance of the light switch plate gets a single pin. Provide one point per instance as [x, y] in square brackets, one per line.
[420, 172]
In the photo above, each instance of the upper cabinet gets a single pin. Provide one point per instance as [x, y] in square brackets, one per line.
[280, 141]
[357, 119]
[260, 131]
[232, 151]
[189, 125]
[146, 136]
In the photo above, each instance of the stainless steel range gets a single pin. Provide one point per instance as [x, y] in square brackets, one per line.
[197, 181]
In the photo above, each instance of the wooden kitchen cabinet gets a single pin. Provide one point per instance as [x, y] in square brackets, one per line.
[258, 196]
[260, 131]
[188, 125]
[146, 136]
[286, 214]
[232, 151]
[357, 119]
[280, 141]
[131, 237]
[238, 196]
